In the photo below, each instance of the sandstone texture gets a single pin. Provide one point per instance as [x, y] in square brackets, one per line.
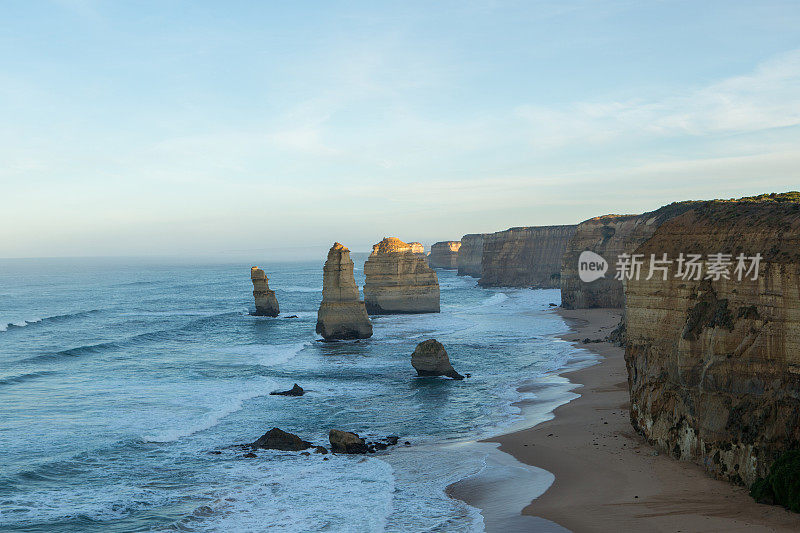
[470, 255]
[714, 364]
[346, 442]
[608, 236]
[417, 248]
[399, 280]
[341, 314]
[430, 359]
[524, 257]
[444, 255]
[266, 302]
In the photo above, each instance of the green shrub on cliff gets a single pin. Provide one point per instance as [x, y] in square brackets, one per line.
[782, 485]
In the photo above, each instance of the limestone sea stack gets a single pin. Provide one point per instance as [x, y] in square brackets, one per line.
[444, 255]
[399, 280]
[417, 248]
[714, 363]
[525, 257]
[342, 314]
[266, 302]
[430, 359]
[470, 255]
[608, 236]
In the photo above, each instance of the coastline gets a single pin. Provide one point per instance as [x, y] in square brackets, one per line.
[606, 476]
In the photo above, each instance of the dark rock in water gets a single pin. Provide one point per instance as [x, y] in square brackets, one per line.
[297, 390]
[215, 452]
[292, 316]
[407, 443]
[346, 442]
[392, 439]
[553, 305]
[250, 455]
[305, 453]
[468, 375]
[321, 449]
[430, 359]
[276, 439]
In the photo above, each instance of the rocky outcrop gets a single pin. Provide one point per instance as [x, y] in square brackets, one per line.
[714, 364]
[297, 390]
[430, 359]
[524, 257]
[266, 302]
[470, 255]
[346, 442]
[341, 314]
[398, 280]
[608, 236]
[417, 248]
[277, 439]
[444, 255]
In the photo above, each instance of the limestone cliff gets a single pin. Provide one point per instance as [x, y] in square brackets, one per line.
[608, 236]
[399, 280]
[524, 257]
[417, 248]
[444, 255]
[470, 255]
[714, 364]
[341, 314]
[266, 302]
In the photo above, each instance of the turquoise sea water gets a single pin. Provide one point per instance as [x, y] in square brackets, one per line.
[120, 380]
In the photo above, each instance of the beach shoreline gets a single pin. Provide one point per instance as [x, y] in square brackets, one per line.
[607, 477]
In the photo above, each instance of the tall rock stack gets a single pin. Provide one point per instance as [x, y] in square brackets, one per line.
[341, 314]
[608, 236]
[417, 248]
[470, 255]
[524, 257]
[444, 255]
[714, 363]
[399, 280]
[266, 302]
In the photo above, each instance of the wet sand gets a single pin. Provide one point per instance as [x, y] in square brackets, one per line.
[607, 478]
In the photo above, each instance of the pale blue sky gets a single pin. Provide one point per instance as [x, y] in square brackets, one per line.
[239, 128]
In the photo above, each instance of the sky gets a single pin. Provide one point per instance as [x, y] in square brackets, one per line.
[268, 130]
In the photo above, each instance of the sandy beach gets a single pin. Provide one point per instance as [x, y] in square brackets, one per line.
[607, 478]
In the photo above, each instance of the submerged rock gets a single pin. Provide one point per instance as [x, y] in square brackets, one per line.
[341, 314]
[430, 359]
[297, 390]
[277, 439]
[346, 442]
[398, 280]
[266, 302]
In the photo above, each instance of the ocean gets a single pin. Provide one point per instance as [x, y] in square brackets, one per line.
[125, 386]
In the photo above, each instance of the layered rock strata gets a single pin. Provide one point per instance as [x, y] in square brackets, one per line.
[714, 364]
[524, 257]
[444, 255]
[266, 302]
[341, 314]
[470, 255]
[608, 236]
[398, 280]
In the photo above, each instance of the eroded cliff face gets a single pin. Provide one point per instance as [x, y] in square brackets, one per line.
[470, 255]
[524, 257]
[714, 365]
[341, 314]
[608, 236]
[444, 254]
[266, 302]
[399, 280]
